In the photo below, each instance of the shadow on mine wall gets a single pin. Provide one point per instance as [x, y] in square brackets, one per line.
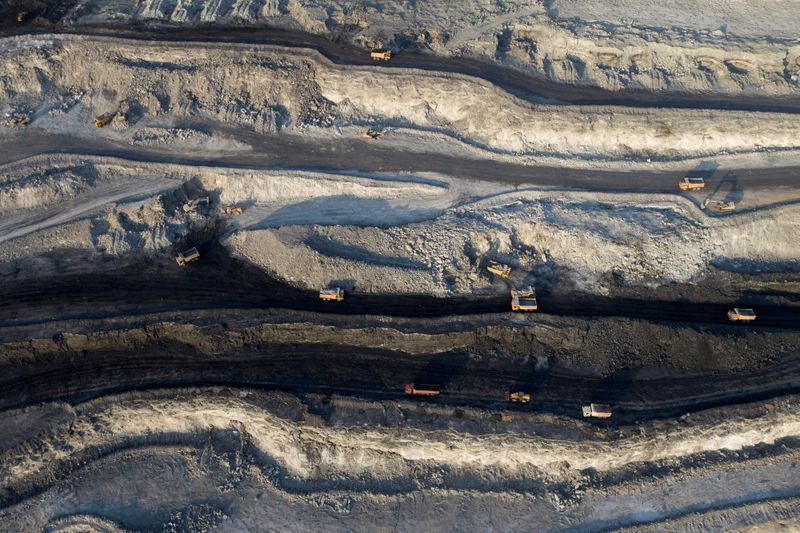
[345, 209]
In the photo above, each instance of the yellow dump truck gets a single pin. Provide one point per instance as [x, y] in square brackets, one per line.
[104, 119]
[692, 184]
[597, 410]
[336, 294]
[740, 314]
[498, 270]
[380, 54]
[232, 210]
[518, 397]
[727, 206]
[190, 255]
[524, 300]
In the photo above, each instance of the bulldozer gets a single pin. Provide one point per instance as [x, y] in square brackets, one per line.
[380, 54]
[372, 134]
[189, 256]
[498, 269]
[524, 300]
[104, 119]
[518, 397]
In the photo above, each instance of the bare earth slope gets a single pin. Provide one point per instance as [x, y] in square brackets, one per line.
[139, 394]
[723, 46]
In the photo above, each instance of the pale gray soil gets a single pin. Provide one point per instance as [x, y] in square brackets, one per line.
[138, 395]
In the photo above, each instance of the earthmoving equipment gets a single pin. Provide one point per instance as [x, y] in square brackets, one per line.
[498, 270]
[336, 294]
[12, 119]
[691, 184]
[192, 205]
[372, 134]
[518, 397]
[719, 206]
[380, 54]
[190, 255]
[230, 210]
[423, 390]
[22, 16]
[524, 300]
[738, 314]
[104, 119]
[597, 410]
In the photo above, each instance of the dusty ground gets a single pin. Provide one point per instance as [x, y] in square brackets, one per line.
[260, 461]
[727, 46]
[550, 136]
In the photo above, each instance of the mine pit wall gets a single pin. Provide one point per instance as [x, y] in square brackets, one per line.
[597, 347]
[241, 440]
[272, 89]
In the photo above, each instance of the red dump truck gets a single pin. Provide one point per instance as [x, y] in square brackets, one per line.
[423, 390]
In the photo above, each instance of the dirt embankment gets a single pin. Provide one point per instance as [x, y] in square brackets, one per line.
[383, 233]
[728, 47]
[313, 460]
[67, 81]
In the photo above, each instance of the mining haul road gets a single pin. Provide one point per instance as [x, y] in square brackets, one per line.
[379, 375]
[219, 281]
[342, 155]
[520, 84]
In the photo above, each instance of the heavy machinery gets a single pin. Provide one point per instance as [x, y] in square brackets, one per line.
[498, 270]
[518, 397]
[692, 184]
[380, 54]
[597, 410]
[524, 300]
[190, 255]
[192, 205]
[16, 119]
[104, 119]
[231, 210]
[336, 294]
[372, 134]
[718, 205]
[423, 390]
[740, 314]
[22, 16]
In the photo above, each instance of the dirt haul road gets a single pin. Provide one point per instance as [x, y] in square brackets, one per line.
[517, 83]
[220, 281]
[380, 375]
[296, 152]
